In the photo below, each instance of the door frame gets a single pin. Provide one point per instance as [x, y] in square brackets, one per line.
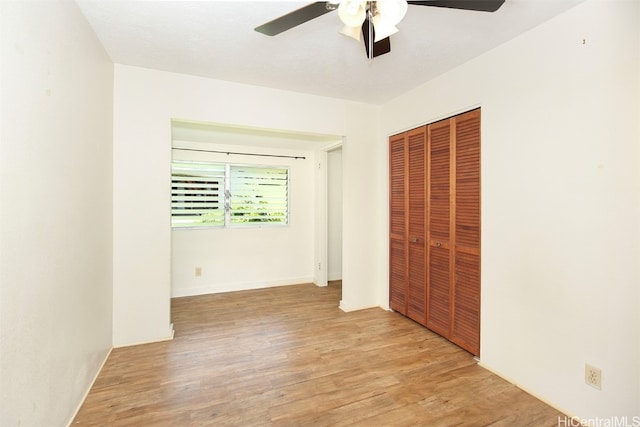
[321, 262]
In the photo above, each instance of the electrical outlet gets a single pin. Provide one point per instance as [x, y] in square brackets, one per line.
[198, 271]
[593, 376]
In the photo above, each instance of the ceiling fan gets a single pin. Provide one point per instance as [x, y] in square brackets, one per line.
[376, 20]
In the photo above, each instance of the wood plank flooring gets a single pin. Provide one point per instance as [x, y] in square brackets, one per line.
[289, 356]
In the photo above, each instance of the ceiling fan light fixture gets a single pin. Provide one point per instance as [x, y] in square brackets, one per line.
[353, 32]
[386, 15]
[352, 13]
[391, 10]
[383, 27]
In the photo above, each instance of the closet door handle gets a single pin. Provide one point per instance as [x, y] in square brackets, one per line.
[438, 245]
[414, 240]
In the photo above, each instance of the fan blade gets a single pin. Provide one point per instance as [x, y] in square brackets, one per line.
[479, 5]
[380, 47]
[293, 19]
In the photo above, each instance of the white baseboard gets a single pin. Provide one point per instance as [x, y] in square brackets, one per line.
[167, 338]
[540, 398]
[344, 307]
[86, 393]
[177, 292]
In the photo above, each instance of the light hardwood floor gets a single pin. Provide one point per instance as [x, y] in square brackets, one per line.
[289, 356]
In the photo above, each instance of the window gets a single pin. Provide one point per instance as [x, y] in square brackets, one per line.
[223, 195]
[258, 194]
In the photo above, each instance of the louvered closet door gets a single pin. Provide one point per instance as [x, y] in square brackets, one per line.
[439, 218]
[435, 227]
[466, 297]
[397, 225]
[416, 213]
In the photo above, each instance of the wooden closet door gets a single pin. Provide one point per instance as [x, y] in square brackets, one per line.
[466, 296]
[439, 224]
[435, 227]
[416, 215]
[398, 261]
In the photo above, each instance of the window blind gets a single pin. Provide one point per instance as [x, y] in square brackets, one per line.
[197, 194]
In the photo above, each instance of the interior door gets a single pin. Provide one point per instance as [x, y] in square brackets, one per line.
[398, 261]
[466, 298]
[416, 214]
[439, 217]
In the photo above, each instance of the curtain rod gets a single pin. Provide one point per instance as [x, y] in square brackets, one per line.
[242, 154]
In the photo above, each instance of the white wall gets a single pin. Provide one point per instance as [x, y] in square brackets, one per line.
[560, 202]
[334, 177]
[240, 258]
[364, 255]
[55, 217]
[145, 102]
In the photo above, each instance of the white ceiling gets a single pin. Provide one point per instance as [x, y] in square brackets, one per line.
[216, 39]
